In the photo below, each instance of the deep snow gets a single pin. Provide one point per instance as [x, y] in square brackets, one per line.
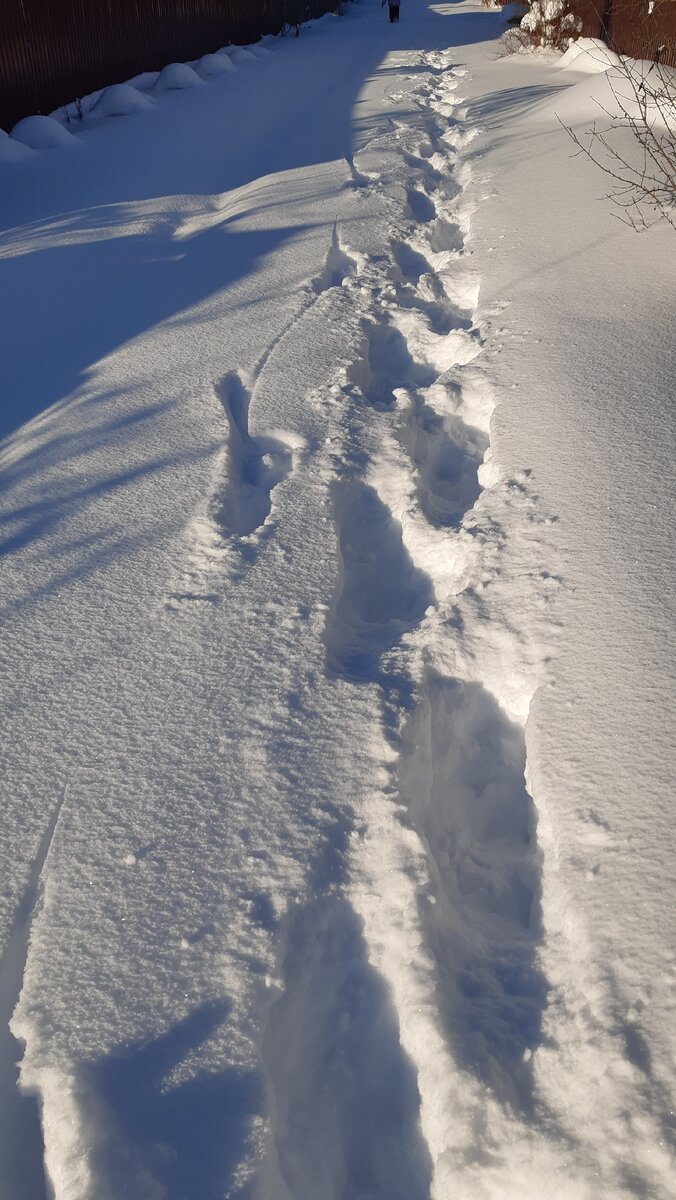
[336, 651]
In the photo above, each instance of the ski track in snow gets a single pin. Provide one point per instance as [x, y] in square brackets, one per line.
[406, 990]
[20, 1133]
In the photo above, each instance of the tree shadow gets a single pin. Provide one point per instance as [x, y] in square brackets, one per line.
[41, 517]
[78, 300]
[86, 300]
[492, 110]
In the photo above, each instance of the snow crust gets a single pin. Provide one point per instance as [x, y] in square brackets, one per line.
[336, 557]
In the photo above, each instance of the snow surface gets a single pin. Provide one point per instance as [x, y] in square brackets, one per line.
[589, 54]
[175, 77]
[11, 150]
[336, 654]
[42, 133]
[215, 64]
[120, 100]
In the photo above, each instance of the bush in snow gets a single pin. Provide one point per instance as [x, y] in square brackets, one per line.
[550, 23]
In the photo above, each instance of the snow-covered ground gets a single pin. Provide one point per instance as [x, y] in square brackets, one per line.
[336, 650]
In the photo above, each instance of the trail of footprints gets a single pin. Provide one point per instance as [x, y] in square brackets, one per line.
[402, 507]
[401, 502]
[406, 345]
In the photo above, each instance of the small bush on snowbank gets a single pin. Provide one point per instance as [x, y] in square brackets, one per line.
[549, 24]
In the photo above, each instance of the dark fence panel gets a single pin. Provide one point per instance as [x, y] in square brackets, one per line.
[638, 28]
[642, 30]
[52, 51]
[591, 14]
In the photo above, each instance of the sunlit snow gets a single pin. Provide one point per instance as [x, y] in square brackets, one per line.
[337, 420]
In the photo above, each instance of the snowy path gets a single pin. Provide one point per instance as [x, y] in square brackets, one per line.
[286, 919]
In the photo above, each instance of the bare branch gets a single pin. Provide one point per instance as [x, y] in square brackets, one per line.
[643, 167]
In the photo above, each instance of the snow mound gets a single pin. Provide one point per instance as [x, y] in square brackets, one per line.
[242, 55]
[611, 93]
[584, 101]
[120, 100]
[42, 133]
[145, 81]
[214, 64]
[589, 54]
[175, 77]
[11, 151]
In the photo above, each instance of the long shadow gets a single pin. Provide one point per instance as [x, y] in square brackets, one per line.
[71, 446]
[178, 1140]
[86, 300]
[43, 515]
[39, 518]
[40, 514]
[84, 558]
[491, 111]
[75, 303]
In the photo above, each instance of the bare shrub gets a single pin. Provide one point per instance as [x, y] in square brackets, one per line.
[514, 41]
[642, 167]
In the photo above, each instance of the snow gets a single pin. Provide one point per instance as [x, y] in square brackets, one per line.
[145, 81]
[628, 92]
[214, 64]
[11, 150]
[175, 77]
[120, 100]
[42, 133]
[240, 55]
[336, 647]
[588, 54]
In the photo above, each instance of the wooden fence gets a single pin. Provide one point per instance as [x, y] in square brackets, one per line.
[52, 51]
[638, 28]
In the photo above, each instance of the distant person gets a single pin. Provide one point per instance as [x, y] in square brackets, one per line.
[393, 6]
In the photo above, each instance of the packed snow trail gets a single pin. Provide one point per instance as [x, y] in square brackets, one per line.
[276, 610]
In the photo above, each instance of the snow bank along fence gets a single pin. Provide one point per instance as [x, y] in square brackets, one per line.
[52, 51]
[639, 28]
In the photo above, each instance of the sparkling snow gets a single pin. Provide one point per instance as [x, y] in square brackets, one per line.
[336, 653]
